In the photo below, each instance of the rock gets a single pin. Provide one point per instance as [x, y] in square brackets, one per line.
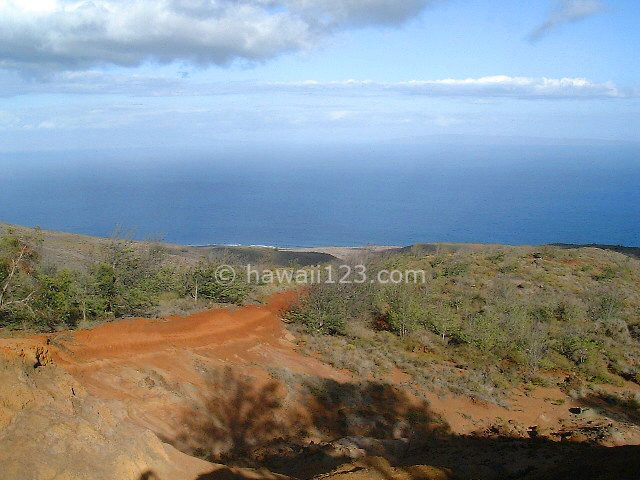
[578, 437]
[359, 447]
[377, 468]
[51, 428]
[43, 357]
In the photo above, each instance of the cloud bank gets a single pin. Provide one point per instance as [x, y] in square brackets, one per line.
[78, 34]
[567, 11]
[492, 86]
[497, 86]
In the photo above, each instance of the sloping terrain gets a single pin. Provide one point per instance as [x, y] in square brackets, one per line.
[75, 251]
[87, 405]
[52, 428]
[140, 399]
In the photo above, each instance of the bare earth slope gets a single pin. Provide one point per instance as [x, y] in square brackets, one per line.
[140, 399]
[85, 404]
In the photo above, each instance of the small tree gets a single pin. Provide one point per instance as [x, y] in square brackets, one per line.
[202, 281]
[323, 309]
[59, 301]
[18, 258]
[401, 307]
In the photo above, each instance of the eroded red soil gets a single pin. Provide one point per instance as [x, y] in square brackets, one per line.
[230, 379]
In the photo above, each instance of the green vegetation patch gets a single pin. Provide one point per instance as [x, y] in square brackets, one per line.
[125, 279]
[488, 318]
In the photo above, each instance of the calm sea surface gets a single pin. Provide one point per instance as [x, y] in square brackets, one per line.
[334, 196]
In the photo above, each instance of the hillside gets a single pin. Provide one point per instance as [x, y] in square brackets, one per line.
[68, 250]
[509, 362]
[232, 388]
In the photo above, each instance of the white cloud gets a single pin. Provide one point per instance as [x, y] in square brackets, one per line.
[567, 11]
[483, 87]
[338, 115]
[77, 34]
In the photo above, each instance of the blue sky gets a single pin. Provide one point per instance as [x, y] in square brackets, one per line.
[207, 73]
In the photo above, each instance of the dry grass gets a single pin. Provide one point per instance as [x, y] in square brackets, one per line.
[490, 318]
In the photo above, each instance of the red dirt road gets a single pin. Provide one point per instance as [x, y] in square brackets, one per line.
[212, 329]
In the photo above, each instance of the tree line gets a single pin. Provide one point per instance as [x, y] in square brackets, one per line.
[124, 280]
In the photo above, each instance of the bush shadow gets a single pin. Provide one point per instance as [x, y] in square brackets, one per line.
[325, 424]
[615, 407]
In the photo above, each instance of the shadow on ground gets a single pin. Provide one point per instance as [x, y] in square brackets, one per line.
[325, 424]
[624, 410]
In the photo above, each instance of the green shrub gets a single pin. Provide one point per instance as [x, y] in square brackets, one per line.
[400, 307]
[321, 310]
[564, 320]
[542, 312]
[446, 323]
[59, 300]
[579, 349]
[455, 269]
[570, 312]
[203, 281]
[19, 256]
[496, 258]
[608, 273]
[606, 305]
[128, 280]
[484, 332]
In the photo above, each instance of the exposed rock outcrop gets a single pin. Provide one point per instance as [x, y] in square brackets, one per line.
[50, 428]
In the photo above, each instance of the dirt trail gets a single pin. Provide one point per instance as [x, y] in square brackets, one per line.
[157, 368]
[213, 328]
[148, 373]
[180, 348]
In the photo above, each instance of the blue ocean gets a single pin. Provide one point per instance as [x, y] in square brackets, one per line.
[342, 196]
